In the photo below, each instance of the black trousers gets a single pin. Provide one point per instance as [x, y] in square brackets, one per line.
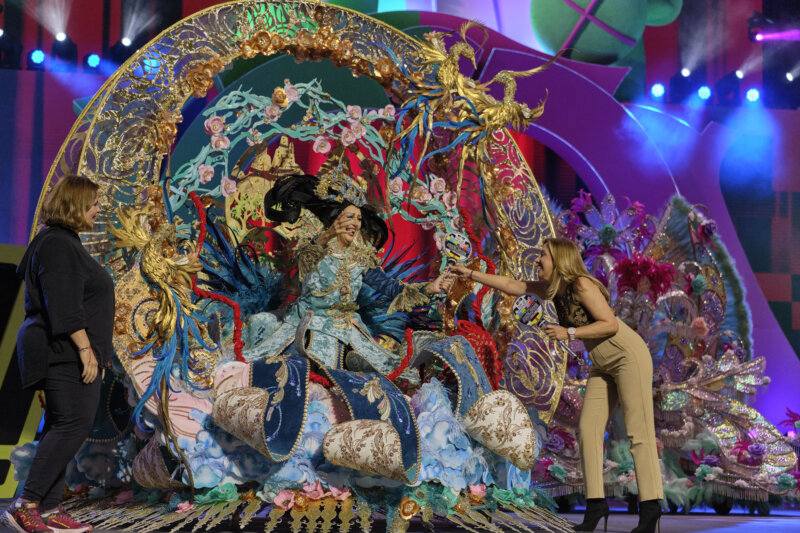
[70, 408]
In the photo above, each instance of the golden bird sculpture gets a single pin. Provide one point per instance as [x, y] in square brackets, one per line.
[144, 229]
[436, 101]
[456, 104]
[493, 115]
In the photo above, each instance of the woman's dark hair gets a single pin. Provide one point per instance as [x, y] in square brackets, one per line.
[294, 193]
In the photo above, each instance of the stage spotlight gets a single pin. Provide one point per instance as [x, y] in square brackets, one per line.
[2, 32]
[36, 60]
[657, 91]
[60, 36]
[10, 52]
[756, 25]
[739, 74]
[681, 87]
[120, 52]
[704, 92]
[728, 89]
[752, 95]
[789, 77]
[91, 62]
[784, 35]
[64, 55]
[685, 72]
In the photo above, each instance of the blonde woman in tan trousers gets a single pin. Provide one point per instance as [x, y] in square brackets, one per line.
[622, 370]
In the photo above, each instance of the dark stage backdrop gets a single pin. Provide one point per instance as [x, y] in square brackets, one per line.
[36, 114]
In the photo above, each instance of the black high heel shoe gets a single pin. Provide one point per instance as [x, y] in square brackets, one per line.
[649, 517]
[596, 508]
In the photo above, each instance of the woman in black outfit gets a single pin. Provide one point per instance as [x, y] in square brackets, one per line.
[62, 346]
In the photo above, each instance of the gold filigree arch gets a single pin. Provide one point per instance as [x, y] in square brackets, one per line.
[123, 135]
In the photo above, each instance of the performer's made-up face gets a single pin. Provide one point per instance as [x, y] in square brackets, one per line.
[351, 218]
[544, 264]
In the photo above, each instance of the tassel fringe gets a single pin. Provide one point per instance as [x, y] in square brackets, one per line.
[319, 516]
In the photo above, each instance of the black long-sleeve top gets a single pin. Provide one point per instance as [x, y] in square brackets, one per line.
[65, 291]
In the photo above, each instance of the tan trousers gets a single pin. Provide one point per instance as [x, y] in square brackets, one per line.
[622, 370]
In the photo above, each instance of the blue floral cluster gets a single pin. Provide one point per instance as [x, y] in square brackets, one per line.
[448, 456]
[216, 457]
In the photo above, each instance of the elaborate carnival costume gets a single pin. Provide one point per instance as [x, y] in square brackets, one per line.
[342, 347]
[315, 429]
[330, 278]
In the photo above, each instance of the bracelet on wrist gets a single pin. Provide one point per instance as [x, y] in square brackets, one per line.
[470, 274]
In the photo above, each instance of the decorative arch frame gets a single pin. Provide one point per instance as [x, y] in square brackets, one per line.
[122, 136]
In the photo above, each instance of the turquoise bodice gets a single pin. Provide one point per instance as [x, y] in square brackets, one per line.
[330, 284]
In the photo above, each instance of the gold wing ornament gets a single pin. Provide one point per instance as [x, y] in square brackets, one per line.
[453, 104]
[144, 228]
[445, 98]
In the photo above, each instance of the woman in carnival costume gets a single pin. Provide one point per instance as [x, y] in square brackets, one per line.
[332, 267]
[322, 337]
[622, 371]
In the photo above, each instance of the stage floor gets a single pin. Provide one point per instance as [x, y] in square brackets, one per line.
[706, 522]
[779, 521]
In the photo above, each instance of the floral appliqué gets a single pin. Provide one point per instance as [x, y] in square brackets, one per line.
[374, 392]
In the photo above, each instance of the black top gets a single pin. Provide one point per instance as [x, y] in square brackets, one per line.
[571, 313]
[65, 291]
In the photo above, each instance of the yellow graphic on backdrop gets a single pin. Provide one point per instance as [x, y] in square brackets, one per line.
[8, 339]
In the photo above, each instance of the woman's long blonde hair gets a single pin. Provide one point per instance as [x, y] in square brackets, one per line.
[568, 266]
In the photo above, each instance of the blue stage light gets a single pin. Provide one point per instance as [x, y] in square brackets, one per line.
[753, 95]
[657, 90]
[704, 92]
[37, 56]
[93, 60]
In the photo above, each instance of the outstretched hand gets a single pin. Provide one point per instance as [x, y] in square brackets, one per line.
[460, 270]
[440, 284]
[556, 332]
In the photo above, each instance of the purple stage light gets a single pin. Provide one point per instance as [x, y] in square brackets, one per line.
[788, 35]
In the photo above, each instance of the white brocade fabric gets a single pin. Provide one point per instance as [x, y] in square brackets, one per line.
[367, 445]
[240, 412]
[500, 422]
